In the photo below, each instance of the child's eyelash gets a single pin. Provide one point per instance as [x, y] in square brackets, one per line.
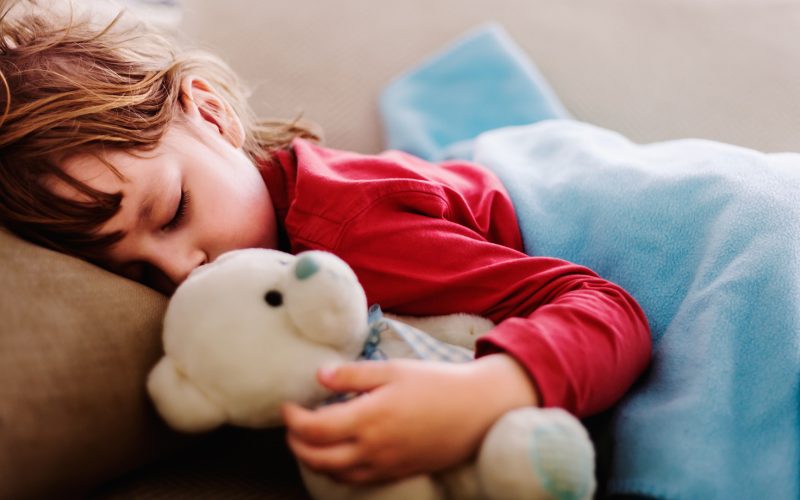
[183, 204]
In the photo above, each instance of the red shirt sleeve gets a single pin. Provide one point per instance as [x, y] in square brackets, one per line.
[429, 239]
[582, 339]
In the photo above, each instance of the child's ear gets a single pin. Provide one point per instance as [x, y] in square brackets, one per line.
[201, 102]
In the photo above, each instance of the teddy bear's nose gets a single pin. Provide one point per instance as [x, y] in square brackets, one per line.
[305, 267]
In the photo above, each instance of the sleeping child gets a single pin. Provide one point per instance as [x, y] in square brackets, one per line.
[122, 148]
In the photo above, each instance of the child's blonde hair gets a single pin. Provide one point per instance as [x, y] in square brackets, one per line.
[72, 86]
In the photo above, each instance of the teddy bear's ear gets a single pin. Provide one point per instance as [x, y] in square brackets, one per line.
[180, 402]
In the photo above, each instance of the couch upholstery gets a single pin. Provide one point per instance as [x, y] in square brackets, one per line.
[76, 341]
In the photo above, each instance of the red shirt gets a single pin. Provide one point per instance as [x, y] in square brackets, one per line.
[429, 239]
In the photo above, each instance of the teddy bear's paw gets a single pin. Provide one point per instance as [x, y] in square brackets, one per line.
[535, 453]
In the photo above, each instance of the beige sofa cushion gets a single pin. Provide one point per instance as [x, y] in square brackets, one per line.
[75, 344]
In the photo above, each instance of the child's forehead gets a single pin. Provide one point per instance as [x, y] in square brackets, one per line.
[107, 172]
[109, 169]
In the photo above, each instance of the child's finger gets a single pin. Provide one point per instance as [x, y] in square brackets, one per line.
[325, 425]
[336, 458]
[362, 376]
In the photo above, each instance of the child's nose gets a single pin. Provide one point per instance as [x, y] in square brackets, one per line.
[177, 269]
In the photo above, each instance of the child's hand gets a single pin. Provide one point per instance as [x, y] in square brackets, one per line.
[416, 416]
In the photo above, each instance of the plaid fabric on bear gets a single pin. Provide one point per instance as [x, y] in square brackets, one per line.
[421, 344]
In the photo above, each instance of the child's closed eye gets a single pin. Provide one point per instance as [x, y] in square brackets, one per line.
[180, 212]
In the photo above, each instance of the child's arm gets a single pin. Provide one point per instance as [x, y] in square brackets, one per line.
[416, 416]
[582, 339]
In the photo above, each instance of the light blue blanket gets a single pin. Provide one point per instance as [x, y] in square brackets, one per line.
[481, 82]
[706, 236]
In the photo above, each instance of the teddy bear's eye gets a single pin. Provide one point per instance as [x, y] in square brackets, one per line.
[274, 298]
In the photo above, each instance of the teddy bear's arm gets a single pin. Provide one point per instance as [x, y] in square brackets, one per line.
[457, 329]
[180, 402]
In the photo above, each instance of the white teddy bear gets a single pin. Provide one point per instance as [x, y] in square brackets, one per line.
[249, 331]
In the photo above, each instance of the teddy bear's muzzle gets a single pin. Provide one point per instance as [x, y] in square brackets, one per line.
[305, 267]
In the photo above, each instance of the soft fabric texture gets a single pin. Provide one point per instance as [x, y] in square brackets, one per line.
[706, 237]
[75, 345]
[427, 239]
